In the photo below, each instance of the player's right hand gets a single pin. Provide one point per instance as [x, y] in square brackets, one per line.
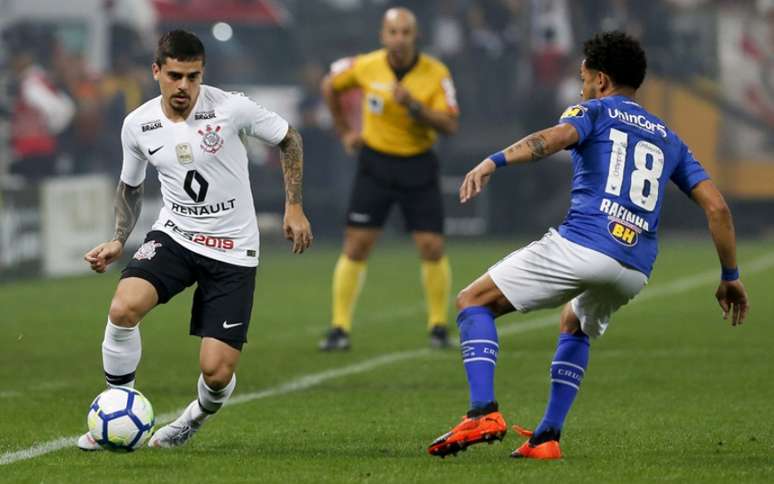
[101, 256]
[732, 298]
[297, 228]
[351, 141]
[476, 179]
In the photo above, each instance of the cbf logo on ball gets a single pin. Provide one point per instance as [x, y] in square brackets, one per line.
[211, 139]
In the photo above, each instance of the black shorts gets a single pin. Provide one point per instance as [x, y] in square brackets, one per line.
[412, 182]
[223, 300]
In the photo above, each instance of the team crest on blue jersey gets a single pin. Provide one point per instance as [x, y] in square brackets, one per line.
[211, 139]
[622, 234]
[576, 111]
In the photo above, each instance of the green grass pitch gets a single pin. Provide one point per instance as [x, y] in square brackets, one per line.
[672, 393]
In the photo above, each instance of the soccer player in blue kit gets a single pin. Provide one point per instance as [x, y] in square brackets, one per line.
[602, 254]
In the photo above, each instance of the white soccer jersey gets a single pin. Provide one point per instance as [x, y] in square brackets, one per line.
[202, 166]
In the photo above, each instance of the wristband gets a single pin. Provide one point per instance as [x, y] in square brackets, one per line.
[499, 159]
[729, 274]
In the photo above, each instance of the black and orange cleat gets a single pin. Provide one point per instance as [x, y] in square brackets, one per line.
[543, 447]
[484, 425]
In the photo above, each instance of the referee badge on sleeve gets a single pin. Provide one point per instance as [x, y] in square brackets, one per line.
[184, 153]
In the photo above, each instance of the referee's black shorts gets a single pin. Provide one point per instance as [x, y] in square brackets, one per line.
[383, 180]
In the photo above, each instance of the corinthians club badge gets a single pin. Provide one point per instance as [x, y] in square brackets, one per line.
[147, 250]
[211, 139]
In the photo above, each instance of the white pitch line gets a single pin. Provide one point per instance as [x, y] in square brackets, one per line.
[38, 450]
[308, 381]
[302, 383]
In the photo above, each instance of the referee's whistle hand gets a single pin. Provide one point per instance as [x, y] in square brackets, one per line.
[401, 94]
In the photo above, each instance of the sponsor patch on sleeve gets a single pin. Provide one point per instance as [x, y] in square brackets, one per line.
[449, 92]
[576, 111]
[342, 65]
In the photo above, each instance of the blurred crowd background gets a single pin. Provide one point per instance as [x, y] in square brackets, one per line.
[70, 71]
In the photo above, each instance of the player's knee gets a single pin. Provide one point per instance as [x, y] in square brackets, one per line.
[569, 322]
[217, 376]
[123, 314]
[465, 299]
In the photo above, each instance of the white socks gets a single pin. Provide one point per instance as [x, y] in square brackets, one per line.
[210, 400]
[121, 350]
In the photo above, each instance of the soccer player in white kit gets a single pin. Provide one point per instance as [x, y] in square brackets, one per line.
[206, 232]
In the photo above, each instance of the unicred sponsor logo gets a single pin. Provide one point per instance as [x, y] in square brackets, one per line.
[638, 120]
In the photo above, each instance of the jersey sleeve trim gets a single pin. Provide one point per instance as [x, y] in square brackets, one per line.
[342, 73]
[134, 162]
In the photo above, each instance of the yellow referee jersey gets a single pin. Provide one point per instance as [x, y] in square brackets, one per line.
[387, 125]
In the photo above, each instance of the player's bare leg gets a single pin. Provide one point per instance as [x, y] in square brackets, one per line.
[566, 374]
[479, 304]
[348, 279]
[436, 282]
[217, 381]
[121, 347]
[483, 292]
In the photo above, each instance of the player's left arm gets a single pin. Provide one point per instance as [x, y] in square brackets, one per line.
[530, 148]
[731, 294]
[296, 226]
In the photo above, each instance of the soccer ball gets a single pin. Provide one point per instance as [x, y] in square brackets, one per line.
[120, 419]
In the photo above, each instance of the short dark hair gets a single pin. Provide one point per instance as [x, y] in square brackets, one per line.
[619, 56]
[180, 45]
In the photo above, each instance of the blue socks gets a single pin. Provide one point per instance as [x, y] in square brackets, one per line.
[567, 369]
[479, 346]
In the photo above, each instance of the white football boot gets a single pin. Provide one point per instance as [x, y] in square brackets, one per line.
[86, 442]
[178, 432]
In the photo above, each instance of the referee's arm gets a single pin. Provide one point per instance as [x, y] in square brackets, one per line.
[445, 122]
[349, 137]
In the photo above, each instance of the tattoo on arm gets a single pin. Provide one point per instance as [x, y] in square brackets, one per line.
[128, 204]
[292, 158]
[535, 144]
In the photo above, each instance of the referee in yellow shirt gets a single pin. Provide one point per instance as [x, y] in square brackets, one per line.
[408, 97]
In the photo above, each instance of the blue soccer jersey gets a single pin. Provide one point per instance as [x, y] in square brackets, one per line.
[621, 163]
